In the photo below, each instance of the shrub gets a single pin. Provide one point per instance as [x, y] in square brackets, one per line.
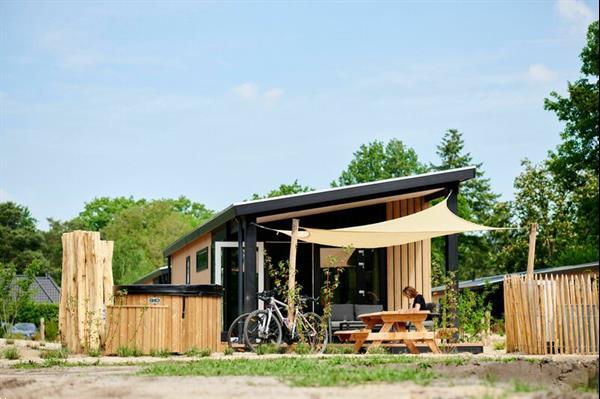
[499, 345]
[61, 353]
[228, 351]
[32, 312]
[51, 330]
[126, 351]
[11, 353]
[205, 352]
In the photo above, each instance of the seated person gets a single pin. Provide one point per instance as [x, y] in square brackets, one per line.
[418, 299]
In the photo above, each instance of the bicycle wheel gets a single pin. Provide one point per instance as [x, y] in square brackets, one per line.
[313, 331]
[235, 334]
[258, 329]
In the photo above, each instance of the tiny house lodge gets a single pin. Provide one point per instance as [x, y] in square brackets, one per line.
[216, 252]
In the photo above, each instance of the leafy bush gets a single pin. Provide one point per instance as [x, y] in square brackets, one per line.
[51, 330]
[11, 353]
[32, 312]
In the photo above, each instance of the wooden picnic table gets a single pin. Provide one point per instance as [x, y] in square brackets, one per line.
[393, 329]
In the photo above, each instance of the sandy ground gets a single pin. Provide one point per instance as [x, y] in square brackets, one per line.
[114, 378]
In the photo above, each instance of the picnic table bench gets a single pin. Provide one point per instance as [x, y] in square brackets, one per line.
[393, 329]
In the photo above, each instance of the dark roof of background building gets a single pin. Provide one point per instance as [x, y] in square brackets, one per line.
[45, 289]
[480, 282]
[153, 274]
[326, 196]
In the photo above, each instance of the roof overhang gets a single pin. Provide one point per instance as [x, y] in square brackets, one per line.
[433, 183]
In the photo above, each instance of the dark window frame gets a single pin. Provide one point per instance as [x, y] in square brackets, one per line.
[205, 267]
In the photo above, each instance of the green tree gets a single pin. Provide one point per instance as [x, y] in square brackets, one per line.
[476, 202]
[52, 248]
[15, 293]
[20, 241]
[377, 161]
[284, 189]
[99, 212]
[142, 231]
[576, 160]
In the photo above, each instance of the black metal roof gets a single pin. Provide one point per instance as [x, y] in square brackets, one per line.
[480, 282]
[325, 197]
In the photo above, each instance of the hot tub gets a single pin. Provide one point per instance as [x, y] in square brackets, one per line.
[164, 317]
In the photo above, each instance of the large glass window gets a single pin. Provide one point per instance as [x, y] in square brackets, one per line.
[360, 280]
[202, 259]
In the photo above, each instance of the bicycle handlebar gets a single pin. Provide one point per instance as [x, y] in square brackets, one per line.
[265, 295]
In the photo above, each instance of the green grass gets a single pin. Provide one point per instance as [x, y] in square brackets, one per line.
[228, 351]
[160, 353]
[499, 345]
[523, 387]
[268, 349]
[11, 353]
[195, 352]
[339, 349]
[61, 353]
[300, 371]
[126, 351]
[377, 350]
[302, 349]
[94, 352]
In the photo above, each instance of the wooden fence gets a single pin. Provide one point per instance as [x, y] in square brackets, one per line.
[551, 314]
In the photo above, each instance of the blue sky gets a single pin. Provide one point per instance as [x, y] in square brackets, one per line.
[218, 100]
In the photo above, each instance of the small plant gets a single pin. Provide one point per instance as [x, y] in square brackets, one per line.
[228, 351]
[266, 349]
[193, 351]
[302, 349]
[205, 352]
[125, 351]
[160, 353]
[377, 350]
[61, 353]
[11, 353]
[499, 345]
[10, 341]
[94, 352]
[339, 349]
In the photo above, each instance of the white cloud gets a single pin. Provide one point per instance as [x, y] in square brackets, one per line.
[251, 92]
[576, 13]
[541, 73]
[247, 91]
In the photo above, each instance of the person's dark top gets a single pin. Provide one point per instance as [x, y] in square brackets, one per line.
[421, 301]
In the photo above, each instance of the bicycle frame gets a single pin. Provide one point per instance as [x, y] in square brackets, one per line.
[273, 306]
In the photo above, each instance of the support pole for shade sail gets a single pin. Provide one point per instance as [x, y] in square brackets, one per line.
[249, 267]
[531, 257]
[452, 260]
[292, 271]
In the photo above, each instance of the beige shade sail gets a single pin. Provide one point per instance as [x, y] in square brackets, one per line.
[432, 222]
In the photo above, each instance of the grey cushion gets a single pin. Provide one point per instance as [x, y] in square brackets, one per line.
[362, 309]
[341, 312]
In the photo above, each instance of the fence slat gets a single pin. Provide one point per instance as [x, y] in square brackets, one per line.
[552, 314]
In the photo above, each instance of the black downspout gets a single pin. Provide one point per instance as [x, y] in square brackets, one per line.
[250, 300]
[240, 293]
[452, 257]
[169, 265]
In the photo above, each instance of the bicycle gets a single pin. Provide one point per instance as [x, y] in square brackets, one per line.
[265, 326]
[235, 334]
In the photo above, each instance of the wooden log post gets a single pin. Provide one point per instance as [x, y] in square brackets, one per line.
[42, 329]
[531, 257]
[292, 272]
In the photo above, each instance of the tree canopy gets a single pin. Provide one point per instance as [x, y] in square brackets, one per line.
[284, 189]
[377, 161]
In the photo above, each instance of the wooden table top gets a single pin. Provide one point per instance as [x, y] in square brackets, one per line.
[395, 315]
